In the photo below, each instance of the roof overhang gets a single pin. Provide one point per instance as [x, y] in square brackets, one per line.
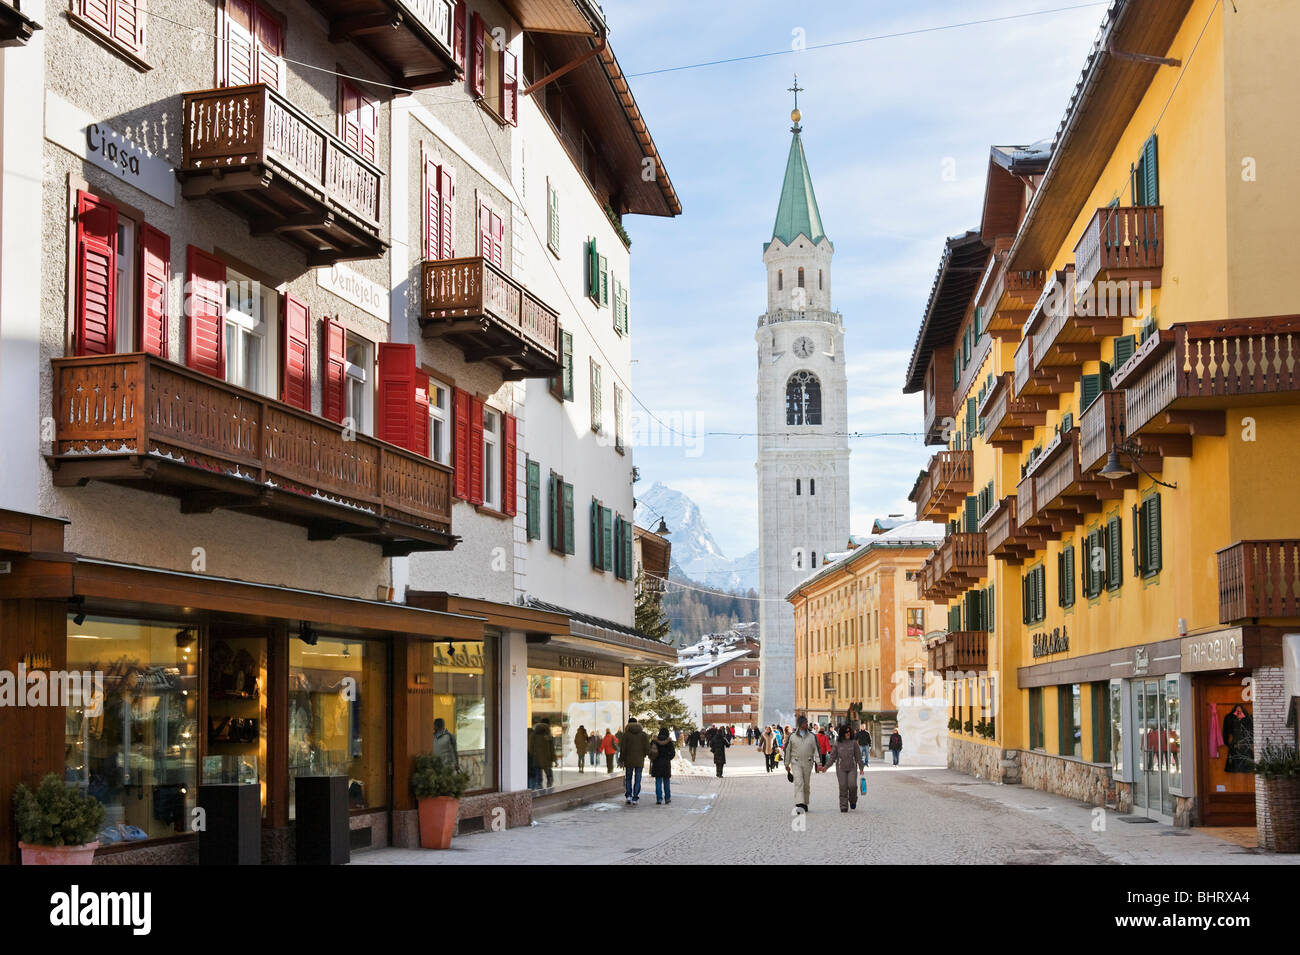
[1104, 100]
[1004, 188]
[960, 269]
[581, 17]
[504, 616]
[23, 533]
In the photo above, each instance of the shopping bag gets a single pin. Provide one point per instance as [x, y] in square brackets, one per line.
[862, 784]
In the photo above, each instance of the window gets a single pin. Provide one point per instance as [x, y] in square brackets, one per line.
[620, 307]
[492, 459]
[597, 275]
[916, 621]
[552, 218]
[812, 487]
[358, 120]
[439, 230]
[357, 388]
[596, 416]
[533, 505]
[780, 280]
[1101, 721]
[602, 537]
[797, 487]
[125, 280]
[134, 749]
[559, 498]
[801, 276]
[1065, 577]
[439, 422]
[1035, 717]
[1114, 558]
[252, 47]
[252, 320]
[461, 690]
[803, 399]
[1067, 698]
[819, 280]
[562, 385]
[718, 690]
[1147, 537]
[618, 419]
[814, 559]
[491, 233]
[1094, 563]
[1146, 176]
[1034, 595]
[121, 23]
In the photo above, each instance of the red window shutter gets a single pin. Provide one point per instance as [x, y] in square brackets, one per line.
[206, 276]
[509, 88]
[270, 47]
[458, 34]
[478, 75]
[431, 214]
[476, 450]
[447, 201]
[497, 230]
[333, 397]
[239, 54]
[95, 329]
[295, 376]
[508, 491]
[99, 12]
[460, 441]
[396, 394]
[484, 231]
[155, 276]
[349, 108]
[128, 24]
[420, 426]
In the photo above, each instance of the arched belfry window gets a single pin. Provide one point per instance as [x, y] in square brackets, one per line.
[803, 399]
[796, 487]
[801, 276]
[812, 486]
[780, 280]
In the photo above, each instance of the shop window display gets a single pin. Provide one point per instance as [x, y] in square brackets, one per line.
[338, 716]
[237, 709]
[457, 683]
[134, 744]
[560, 702]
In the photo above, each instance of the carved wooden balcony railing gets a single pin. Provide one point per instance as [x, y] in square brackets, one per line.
[959, 650]
[1056, 493]
[1101, 429]
[1122, 244]
[411, 39]
[140, 421]
[954, 567]
[943, 487]
[1006, 539]
[490, 317]
[1008, 420]
[1066, 335]
[250, 149]
[1259, 579]
[1011, 295]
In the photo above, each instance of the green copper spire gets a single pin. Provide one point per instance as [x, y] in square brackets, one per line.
[797, 214]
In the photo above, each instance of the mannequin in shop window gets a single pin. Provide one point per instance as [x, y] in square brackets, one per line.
[1239, 737]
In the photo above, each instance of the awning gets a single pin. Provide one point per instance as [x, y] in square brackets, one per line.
[613, 640]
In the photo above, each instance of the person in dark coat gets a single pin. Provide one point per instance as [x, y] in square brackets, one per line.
[864, 740]
[1239, 737]
[847, 757]
[633, 749]
[693, 743]
[719, 747]
[896, 745]
[580, 745]
[662, 752]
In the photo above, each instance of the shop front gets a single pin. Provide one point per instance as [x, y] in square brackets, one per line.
[573, 694]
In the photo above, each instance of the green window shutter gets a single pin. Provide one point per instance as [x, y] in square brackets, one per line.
[1024, 599]
[553, 218]
[554, 514]
[606, 535]
[1124, 348]
[1105, 376]
[1149, 174]
[595, 534]
[629, 535]
[604, 280]
[1139, 536]
[992, 609]
[954, 619]
[956, 370]
[1067, 422]
[1036, 717]
[570, 545]
[1152, 557]
[1114, 562]
[979, 317]
[972, 513]
[965, 349]
[1042, 592]
[618, 546]
[566, 350]
[1060, 579]
[971, 415]
[1069, 574]
[534, 501]
[1091, 389]
[593, 271]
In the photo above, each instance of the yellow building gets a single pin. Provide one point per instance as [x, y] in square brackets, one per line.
[1119, 390]
[859, 630]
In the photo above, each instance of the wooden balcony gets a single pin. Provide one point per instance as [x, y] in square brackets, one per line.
[1056, 493]
[959, 650]
[489, 316]
[1011, 296]
[954, 567]
[1009, 420]
[254, 152]
[1037, 390]
[15, 27]
[1005, 539]
[1259, 580]
[1121, 244]
[944, 485]
[1181, 380]
[411, 39]
[143, 422]
[1065, 336]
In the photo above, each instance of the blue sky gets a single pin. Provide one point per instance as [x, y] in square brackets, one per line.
[882, 121]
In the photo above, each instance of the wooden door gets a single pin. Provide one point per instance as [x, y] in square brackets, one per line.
[1225, 770]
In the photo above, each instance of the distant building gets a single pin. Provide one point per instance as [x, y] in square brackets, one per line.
[723, 669]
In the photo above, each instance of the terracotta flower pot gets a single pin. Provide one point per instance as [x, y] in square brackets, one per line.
[58, 855]
[437, 821]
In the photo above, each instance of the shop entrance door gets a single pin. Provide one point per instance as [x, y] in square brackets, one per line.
[1156, 750]
[1225, 763]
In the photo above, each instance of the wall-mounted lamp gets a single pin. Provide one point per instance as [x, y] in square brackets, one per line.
[306, 634]
[1114, 468]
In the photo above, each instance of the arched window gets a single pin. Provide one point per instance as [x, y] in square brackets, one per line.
[796, 487]
[803, 399]
[801, 276]
[780, 279]
[812, 486]
[814, 558]
[819, 280]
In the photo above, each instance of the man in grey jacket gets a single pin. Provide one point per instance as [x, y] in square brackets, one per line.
[801, 756]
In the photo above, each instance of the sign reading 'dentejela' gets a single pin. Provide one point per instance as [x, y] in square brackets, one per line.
[1045, 644]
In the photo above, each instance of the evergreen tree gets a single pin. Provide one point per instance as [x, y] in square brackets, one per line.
[651, 688]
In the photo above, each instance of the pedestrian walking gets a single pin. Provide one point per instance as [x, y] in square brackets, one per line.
[823, 749]
[719, 749]
[749, 734]
[609, 747]
[618, 748]
[543, 750]
[848, 761]
[800, 757]
[767, 744]
[634, 748]
[444, 744]
[780, 736]
[662, 752]
[580, 744]
[693, 743]
[864, 741]
[896, 745]
[593, 748]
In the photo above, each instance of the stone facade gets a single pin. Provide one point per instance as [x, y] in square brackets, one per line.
[1269, 714]
[1086, 782]
[981, 760]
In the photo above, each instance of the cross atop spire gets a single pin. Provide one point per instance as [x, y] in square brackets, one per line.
[795, 115]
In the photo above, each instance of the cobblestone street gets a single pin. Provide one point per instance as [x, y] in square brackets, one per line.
[910, 815]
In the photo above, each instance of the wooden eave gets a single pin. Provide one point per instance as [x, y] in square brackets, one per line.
[504, 616]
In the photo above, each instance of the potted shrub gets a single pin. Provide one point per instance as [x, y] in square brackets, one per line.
[438, 788]
[57, 823]
[1278, 767]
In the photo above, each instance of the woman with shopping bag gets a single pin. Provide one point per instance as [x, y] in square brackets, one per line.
[848, 763]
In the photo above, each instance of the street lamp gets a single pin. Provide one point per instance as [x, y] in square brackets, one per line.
[1114, 469]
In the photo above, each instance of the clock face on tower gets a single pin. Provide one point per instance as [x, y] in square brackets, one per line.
[803, 347]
